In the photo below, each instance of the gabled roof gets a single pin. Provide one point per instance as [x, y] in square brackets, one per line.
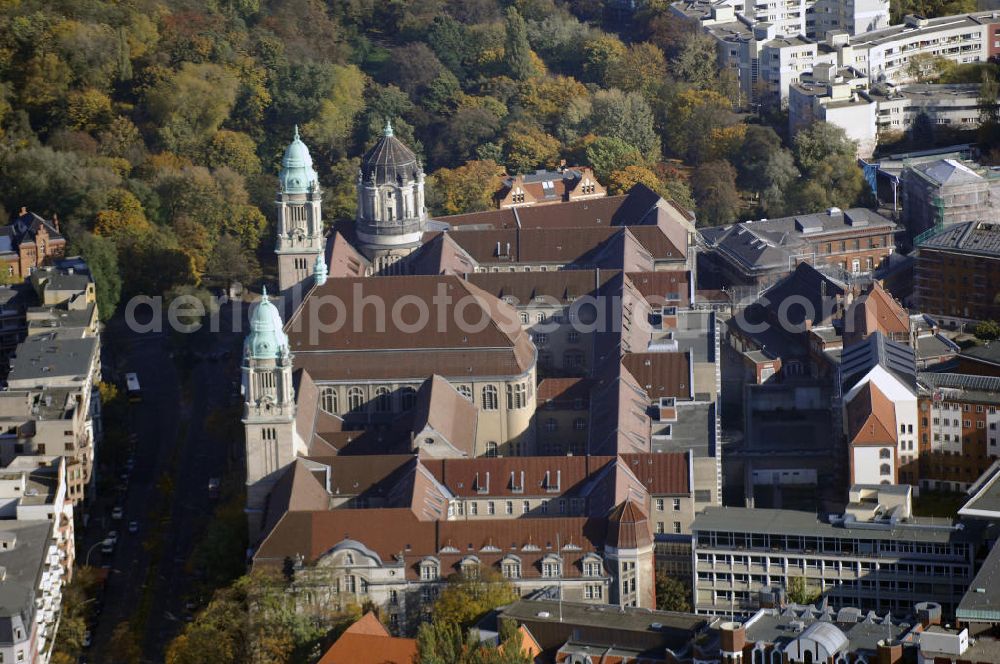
[297, 490]
[875, 310]
[947, 172]
[361, 648]
[440, 254]
[522, 288]
[871, 417]
[368, 625]
[878, 350]
[344, 260]
[441, 408]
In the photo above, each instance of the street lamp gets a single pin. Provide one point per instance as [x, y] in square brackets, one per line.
[91, 550]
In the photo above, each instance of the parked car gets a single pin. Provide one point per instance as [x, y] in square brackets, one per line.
[112, 536]
[213, 487]
[118, 513]
[107, 547]
[88, 639]
[133, 527]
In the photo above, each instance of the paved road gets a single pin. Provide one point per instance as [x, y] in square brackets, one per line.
[171, 439]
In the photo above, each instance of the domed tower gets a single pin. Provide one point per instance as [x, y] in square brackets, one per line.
[268, 407]
[391, 214]
[300, 222]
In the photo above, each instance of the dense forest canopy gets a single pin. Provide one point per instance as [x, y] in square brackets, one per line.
[154, 129]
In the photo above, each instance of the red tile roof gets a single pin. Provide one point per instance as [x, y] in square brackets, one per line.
[661, 374]
[346, 330]
[370, 649]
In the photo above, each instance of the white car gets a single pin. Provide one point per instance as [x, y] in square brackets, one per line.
[118, 513]
[133, 527]
[112, 536]
[88, 639]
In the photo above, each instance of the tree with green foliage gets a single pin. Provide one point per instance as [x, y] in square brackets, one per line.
[517, 58]
[191, 104]
[467, 188]
[469, 596]
[628, 117]
[987, 330]
[610, 155]
[672, 594]
[989, 111]
[799, 591]
[766, 168]
[255, 620]
[448, 643]
[827, 159]
[101, 256]
[696, 61]
[714, 187]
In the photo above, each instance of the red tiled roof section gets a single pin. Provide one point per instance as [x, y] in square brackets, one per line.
[370, 649]
[464, 476]
[524, 287]
[664, 287]
[661, 374]
[664, 473]
[440, 407]
[564, 391]
[368, 624]
[344, 259]
[871, 417]
[347, 329]
[876, 311]
[628, 527]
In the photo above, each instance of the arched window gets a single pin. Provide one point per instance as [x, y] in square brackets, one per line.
[408, 397]
[383, 400]
[490, 397]
[465, 391]
[884, 453]
[491, 448]
[355, 398]
[329, 400]
[517, 396]
[885, 469]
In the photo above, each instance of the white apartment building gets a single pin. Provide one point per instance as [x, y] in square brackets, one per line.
[791, 18]
[768, 63]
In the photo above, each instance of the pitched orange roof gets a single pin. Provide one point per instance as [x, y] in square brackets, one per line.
[871, 417]
[368, 624]
[370, 649]
[876, 311]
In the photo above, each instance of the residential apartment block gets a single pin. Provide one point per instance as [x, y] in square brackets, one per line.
[769, 60]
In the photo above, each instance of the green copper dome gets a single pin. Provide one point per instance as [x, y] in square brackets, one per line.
[319, 271]
[297, 175]
[267, 340]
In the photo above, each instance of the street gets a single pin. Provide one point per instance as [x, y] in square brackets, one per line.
[150, 580]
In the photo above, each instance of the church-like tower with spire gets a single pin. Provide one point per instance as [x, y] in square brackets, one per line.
[300, 221]
[391, 209]
[268, 407]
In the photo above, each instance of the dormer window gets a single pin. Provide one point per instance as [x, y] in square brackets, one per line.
[429, 570]
[551, 567]
[510, 567]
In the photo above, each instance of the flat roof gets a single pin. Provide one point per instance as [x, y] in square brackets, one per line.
[22, 565]
[791, 522]
[46, 356]
[981, 602]
[984, 495]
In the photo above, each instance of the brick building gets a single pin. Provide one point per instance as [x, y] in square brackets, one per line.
[759, 253]
[28, 243]
[569, 183]
[957, 273]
